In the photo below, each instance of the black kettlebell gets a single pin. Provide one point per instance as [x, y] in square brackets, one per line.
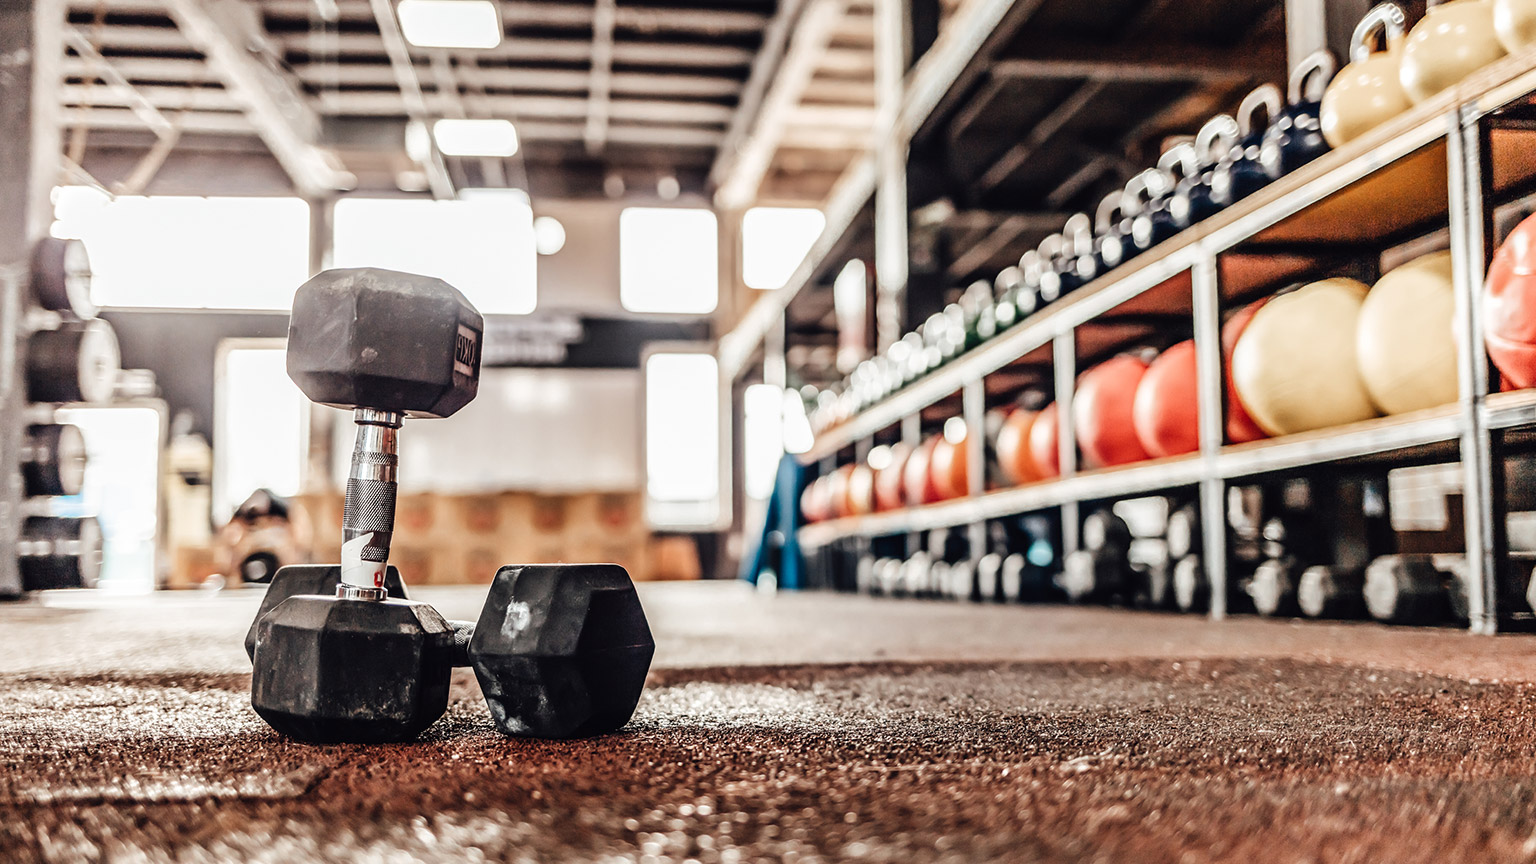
[1079, 265]
[1192, 202]
[1027, 297]
[1155, 222]
[1050, 253]
[1112, 229]
[1240, 173]
[1295, 137]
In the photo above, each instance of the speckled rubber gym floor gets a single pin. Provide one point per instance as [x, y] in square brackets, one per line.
[797, 728]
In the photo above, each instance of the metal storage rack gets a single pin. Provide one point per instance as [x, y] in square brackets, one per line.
[1447, 162]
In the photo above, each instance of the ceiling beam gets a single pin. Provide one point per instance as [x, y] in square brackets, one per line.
[1141, 61]
[601, 86]
[438, 178]
[741, 168]
[670, 54]
[226, 32]
[1042, 132]
[386, 103]
[1000, 236]
[522, 14]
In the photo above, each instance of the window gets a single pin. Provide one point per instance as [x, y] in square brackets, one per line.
[669, 260]
[259, 427]
[682, 440]
[481, 244]
[774, 240]
[188, 253]
[121, 489]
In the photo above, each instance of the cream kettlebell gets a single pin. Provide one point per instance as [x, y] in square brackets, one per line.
[1515, 23]
[1454, 39]
[1367, 92]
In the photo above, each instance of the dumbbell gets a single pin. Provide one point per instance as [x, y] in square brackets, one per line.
[53, 459]
[962, 580]
[59, 552]
[560, 650]
[989, 578]
[1406, 589]
[77, 362]
[1326, 591]
[1191, 590]
[1099, 570]
[1274, 587]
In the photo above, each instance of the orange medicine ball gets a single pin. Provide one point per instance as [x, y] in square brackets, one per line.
[1165, 409]
[949, 467]
[1240, 425]
[888, 476]
[1510, 306]
[813, 501]
[917, 480]
[1044, 434]
[1101, 411]
[837, 491]
[1013, 454]
[861, 490]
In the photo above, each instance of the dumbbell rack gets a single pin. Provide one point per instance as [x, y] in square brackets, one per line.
[1447, 161]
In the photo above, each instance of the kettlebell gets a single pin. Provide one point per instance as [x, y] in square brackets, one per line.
[1032, 295]
[1515, 23]
[1368, 91]
[1454, 39]
[1240, 173]
[1079, 266]
[980, 313]
[1112, 229]
[1192, 201]
[1052, 283]
[1296, 137]
[1005, 291]
[1155, 223]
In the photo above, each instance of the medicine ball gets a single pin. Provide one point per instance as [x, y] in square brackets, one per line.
[1013, 454]
[1044, 436]
[1295, 366]
[1240, 425]
[1405, 344]
[1509, 306]
[948, 468]
[888, 478]
[917, 479]
[861, 490]
[1102, 411]
[1165, 411]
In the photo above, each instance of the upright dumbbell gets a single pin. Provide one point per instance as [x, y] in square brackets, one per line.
[559, 651]
[1099, 571]
[59, 552]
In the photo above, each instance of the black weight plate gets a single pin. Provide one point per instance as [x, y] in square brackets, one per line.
[78, 362]
[53, 460]
[61, 277]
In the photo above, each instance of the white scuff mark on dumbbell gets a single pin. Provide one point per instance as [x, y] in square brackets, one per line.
[356, 571]
[518, 618]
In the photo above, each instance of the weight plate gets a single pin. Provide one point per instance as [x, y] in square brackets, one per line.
[61, 277]
[53, 460]
[78, 362]
[59, 552]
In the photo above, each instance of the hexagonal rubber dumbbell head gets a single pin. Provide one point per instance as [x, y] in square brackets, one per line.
[316, 579]
[562, 650]
[331, 670]
[389, 341]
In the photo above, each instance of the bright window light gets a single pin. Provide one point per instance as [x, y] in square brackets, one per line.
[259, 425]
[798, 437]
[179, 252]
[774, 240]
[669, 260]
[450, 23]
[762, 437]
[121, 489]
[482, 245]
[457, 137]
[682, 427]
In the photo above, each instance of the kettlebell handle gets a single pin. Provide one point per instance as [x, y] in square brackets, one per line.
[1221, 129]
[1318, 67]
[1078, 233]
[1149, 185]
[1387, 16]
[1031, 266]
[1182, 155]
[1051, 248]
[1266, 96]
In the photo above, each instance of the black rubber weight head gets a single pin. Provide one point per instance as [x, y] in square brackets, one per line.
[318, 579]
[357, 671]
[562, 650]
[384, 340]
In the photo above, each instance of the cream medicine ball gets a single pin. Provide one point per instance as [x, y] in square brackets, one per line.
[1405, 342]
[1295, 365]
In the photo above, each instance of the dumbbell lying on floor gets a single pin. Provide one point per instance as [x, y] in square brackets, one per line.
[560, 650]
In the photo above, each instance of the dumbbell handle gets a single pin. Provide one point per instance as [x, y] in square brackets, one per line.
[462, 631]
[368, 520]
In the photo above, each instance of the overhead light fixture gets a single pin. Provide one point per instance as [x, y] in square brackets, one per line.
[450, 23]
[456, 137]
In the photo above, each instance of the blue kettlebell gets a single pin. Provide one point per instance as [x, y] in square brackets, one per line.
[1026, 297]
[1079, 266]
[1240, 173]
[1047, 275]
[1155, 223]
[1192, 202]
[1295, 137]
[1112, 244]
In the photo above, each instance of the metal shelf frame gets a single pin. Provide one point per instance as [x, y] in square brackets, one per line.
[1471, 429]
